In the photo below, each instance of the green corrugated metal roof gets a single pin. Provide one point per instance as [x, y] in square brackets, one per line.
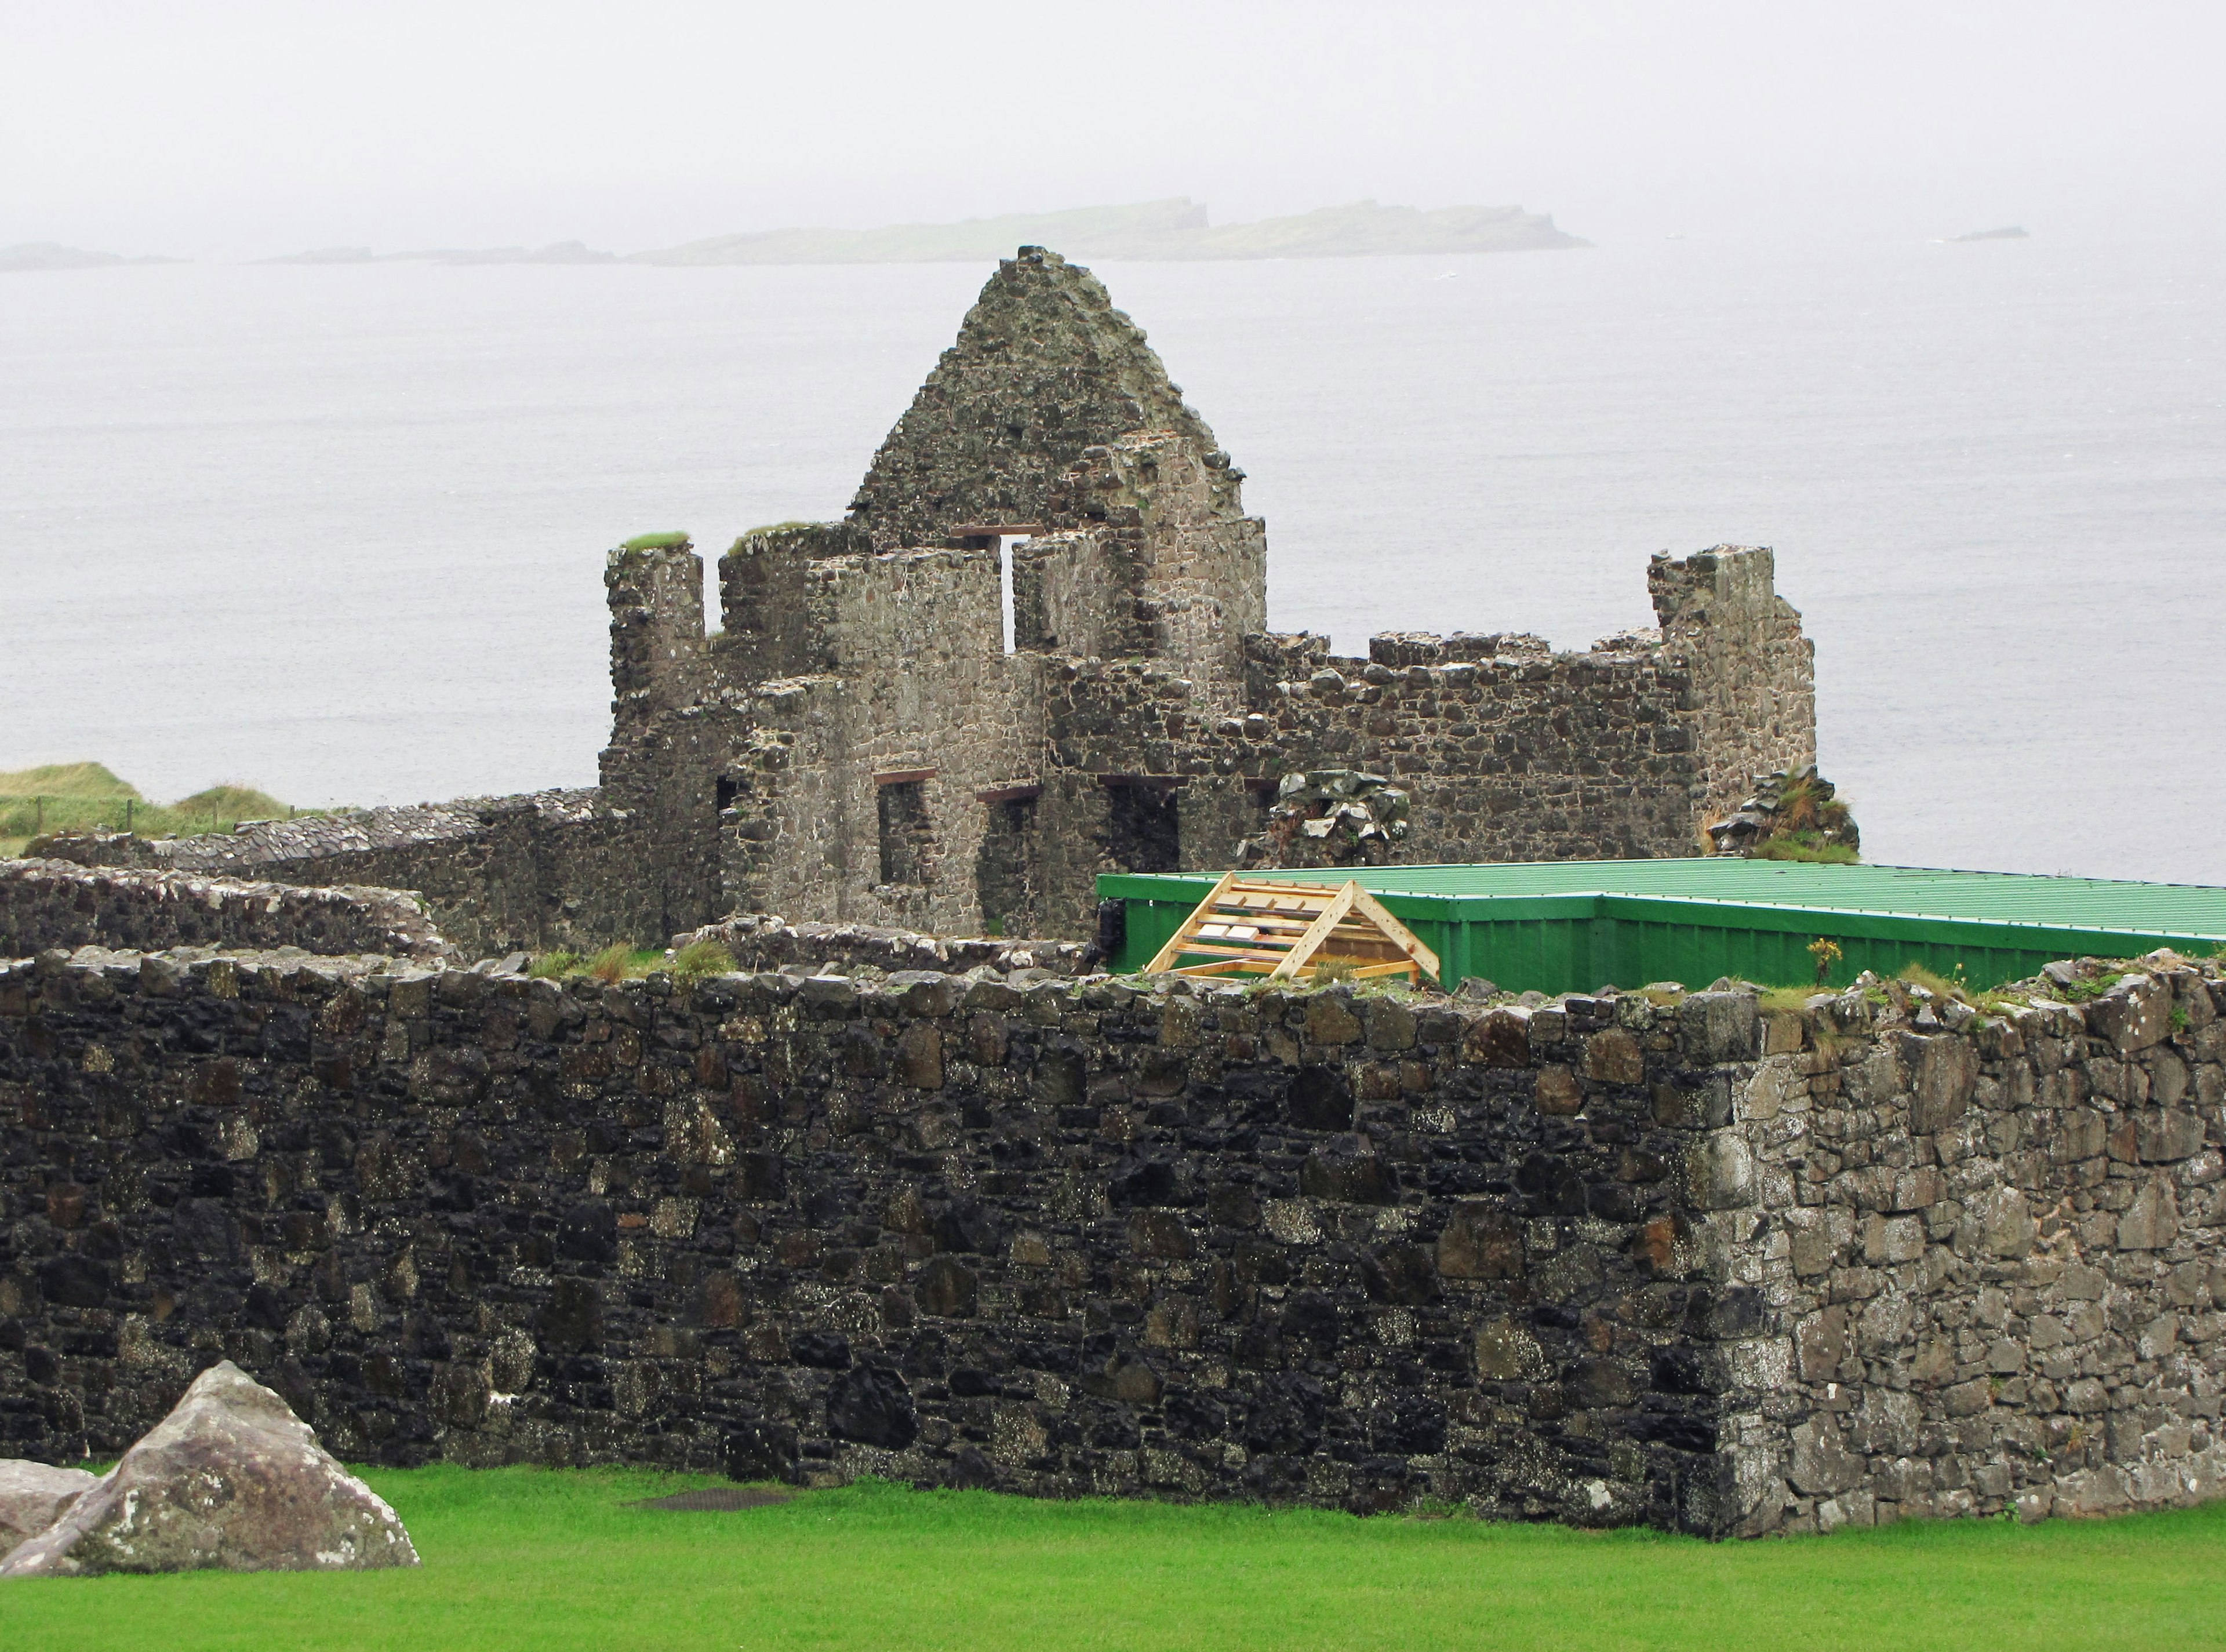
[2180, 910]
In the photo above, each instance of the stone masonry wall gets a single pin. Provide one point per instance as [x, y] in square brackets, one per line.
[543, 869]
[1752, 704]
[1059, 1237]
[759, 940]
[1987, 1255]
[46, 904]
[1522, 757]
[855, 744]
[1044, 367]
[1603, 1260]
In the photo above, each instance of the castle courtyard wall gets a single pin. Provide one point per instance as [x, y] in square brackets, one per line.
[1604, 1259]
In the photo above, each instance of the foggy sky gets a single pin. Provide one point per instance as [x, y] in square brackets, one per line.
[241, 129]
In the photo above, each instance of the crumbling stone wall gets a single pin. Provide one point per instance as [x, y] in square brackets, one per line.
[1604, 1259]
[543, 869]
[1753, 703]
[759, 940]
[49, 905]
[1140, 721]
[1520, 757]
[1044, 367]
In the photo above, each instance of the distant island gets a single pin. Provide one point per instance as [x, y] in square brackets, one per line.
[2007, 232]
[52, 254]
[555, 253]
[1150, 230]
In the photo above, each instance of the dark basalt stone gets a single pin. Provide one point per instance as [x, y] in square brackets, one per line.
[873, 1405]
[71, 1280]
[827, 1350]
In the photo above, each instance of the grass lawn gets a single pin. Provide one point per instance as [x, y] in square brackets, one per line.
[551, 1560]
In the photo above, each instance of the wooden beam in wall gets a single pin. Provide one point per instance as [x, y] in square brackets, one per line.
[903, 776]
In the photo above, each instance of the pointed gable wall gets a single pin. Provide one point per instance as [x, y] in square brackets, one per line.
[1044, 367]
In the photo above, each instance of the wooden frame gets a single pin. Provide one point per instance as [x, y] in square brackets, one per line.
[1288, 932]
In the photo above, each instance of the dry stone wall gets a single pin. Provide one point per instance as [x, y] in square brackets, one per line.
[1753, 690]
[1604, 1259]
[50, 904]
[759, 942]
[542, 869]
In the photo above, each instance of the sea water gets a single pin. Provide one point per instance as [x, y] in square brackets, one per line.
[338, 531]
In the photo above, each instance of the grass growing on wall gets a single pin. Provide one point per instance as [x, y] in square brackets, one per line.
[1806, 847]
[71, 797]
[624, 962]
[555, 1559]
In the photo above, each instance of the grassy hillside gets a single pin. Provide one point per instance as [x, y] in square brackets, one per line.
[75, 796]
[521, 1557]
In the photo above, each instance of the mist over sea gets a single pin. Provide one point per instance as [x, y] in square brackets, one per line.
[338, 531]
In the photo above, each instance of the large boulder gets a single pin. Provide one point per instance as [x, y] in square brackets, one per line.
[33, 1497]
[230, 1480]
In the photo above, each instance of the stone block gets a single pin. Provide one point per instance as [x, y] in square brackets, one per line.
[919, 1056]
[1719, 1171]
[1765, 1095]
[2133, 1014]
[1821, 1343]
[1506, 1352]
[1943, 1072]
[1557, 1092]
[1996, 1222]
[1329, 1020]
[1499, 1038]
[1480, 1240]
[1390, 1024]
[2152, 1221]
[1820, 1463]
[1613, 1057]
[1720, 1027]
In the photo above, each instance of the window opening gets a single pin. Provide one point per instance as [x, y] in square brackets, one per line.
[904, 842]
[1005, 543]
[1142, 827]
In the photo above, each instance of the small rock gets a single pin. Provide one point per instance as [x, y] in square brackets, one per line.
[34, 1496]
[229, 1480]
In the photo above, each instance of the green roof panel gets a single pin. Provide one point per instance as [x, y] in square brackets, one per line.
[1564, 925]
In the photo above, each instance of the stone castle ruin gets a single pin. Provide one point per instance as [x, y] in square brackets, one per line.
[965, 1212]
[1037, 650]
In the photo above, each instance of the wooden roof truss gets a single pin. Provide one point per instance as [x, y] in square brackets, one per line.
[1290, 931]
